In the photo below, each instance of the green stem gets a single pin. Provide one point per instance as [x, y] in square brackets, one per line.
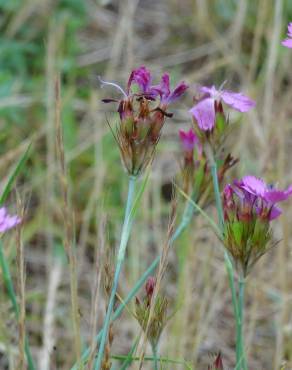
[121, 256]
[11, 293]
[227, 260]
[186, 218]
[155, 358]
[241, 321]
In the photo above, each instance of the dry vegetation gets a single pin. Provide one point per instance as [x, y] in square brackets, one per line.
[201, 41]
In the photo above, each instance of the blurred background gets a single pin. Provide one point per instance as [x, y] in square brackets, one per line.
[202, 42]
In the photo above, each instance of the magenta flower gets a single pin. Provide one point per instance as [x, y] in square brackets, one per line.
[7, 222]
[142, 112]
[163, 89]
[188, 139]
[263, 196]
[205, 111]
[249, 207]
[142, 77]
[288, 41]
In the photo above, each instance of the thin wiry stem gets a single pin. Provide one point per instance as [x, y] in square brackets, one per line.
[241, 285]
[228, 262]
[155, 359]
[121, 256]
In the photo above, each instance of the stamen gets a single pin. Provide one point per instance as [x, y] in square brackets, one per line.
[222, 85]
[104, 83]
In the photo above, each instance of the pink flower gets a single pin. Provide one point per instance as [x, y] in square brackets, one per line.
[188, 139]
[288, 41]
[261, 196]
[6, 221]
[163, 89]
[205, 111]
[142, 77]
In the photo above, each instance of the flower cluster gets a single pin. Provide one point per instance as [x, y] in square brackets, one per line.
[249, 207]
[288, 41]
[142, 112]
[195, 172]
[7, 222]
[159, 317]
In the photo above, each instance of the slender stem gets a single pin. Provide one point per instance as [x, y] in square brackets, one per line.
[241, 284]
[121, 256]
[11, 293]
[228, 262]
[186, 218]
[155, 358]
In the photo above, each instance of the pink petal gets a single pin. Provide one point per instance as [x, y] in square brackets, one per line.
[211, 91]
[287, 43]
[275, 213]
[189, 139]
[204, 113]
[237, 101]
[254, 185]
[177, 92]
[289, 29]
[275, 196]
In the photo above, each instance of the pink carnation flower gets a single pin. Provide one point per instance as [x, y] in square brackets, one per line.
[261, 196]
[288, 41]
[204, 112]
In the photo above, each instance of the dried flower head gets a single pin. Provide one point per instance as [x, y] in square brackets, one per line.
[288, 41]
[249, 207]
[142, 112]
[7, 222]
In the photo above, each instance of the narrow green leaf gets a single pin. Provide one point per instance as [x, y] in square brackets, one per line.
[13, 175]
[203, 213]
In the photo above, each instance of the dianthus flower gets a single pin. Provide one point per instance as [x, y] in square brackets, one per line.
[249, 207]
[205, 110]
[142, 112]
[288, 41]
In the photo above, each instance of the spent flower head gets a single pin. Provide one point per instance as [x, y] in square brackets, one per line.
[288, 41]
[249, 207]
[142, 111]
[7, 221]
